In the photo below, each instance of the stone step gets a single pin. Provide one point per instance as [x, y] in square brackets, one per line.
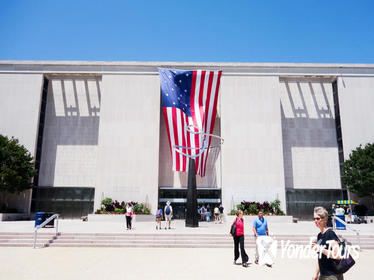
[144, 245]
[157, 239]
[38, 245]
[24, 240]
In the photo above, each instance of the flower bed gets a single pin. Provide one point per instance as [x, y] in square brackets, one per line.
[108, 206]
[252, 208]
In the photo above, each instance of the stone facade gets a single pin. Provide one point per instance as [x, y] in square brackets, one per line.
[104, 130]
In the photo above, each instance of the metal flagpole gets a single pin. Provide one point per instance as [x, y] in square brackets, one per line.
[191, 215]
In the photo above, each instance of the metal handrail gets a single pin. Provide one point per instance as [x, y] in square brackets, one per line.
[347, 226]
[54, 216]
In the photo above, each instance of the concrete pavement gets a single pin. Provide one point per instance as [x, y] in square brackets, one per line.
[151, 263]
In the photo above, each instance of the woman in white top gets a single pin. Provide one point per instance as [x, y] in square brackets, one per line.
[128, 215]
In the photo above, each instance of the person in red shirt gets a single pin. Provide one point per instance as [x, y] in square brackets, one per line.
[239, 239]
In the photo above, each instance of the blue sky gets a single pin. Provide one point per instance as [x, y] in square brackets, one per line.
[205, 30]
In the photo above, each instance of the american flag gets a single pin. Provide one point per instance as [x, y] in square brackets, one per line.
[189, 98]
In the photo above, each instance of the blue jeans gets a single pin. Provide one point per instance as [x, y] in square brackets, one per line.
[207, 216]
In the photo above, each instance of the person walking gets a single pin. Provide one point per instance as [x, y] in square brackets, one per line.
[158, 217]
[129, 213]
[207, 214]
[221, 214]
[260, 228]
[202, 213]
[168, 214]
[239, 239]
[327, 247]
[216, 214]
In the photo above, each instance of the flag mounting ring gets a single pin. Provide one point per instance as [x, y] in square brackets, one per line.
[205, 142]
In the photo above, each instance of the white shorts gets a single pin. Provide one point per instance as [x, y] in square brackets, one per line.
[167, 217]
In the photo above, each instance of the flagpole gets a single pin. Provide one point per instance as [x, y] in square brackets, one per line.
[191, 215]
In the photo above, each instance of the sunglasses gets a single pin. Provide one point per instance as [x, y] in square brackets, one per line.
[317, 219]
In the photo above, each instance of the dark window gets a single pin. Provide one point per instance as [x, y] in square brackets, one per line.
[66, 201]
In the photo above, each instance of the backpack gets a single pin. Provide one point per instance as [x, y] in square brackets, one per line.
[167, 210]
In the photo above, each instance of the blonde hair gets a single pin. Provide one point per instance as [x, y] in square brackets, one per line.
[321, 211]
[239, 212]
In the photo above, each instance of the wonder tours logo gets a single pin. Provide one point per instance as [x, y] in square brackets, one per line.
[268, 250]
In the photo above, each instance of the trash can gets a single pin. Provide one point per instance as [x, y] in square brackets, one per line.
[51, 223]
[340, 225]
[39, 218]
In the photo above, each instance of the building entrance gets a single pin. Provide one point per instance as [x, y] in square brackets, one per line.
[178, 199]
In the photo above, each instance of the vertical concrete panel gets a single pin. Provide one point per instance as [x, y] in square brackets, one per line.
[309, 135]
[20, 96]
[69, 150]
[252, 153]
[356, 100]
[129, 139]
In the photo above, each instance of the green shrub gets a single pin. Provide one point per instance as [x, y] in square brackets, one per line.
[252, 209]
[119, 211]
[275, 206]
[240, 207]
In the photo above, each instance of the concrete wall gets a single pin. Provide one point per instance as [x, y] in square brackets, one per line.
[310, 146]
[128, 148]
[20, 96]
[70, 138]
[252, 153]
[356, 100]
[107, 133]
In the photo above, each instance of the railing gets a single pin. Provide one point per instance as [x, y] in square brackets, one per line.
[55, 216]
[334, 219]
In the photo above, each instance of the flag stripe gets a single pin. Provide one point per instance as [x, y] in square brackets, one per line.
[212, 123]
[194, 108]
[208, 107]
[181, 131]
[171, 135]
[175, 133]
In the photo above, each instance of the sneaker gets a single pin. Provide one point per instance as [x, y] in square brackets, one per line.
[169, 227]
[245, 264]
[256, 261]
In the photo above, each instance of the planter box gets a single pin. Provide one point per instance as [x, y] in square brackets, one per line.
[14, 217]
[270, 219]
[118, 218]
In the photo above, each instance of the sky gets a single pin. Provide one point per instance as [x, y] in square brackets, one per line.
[312, 31]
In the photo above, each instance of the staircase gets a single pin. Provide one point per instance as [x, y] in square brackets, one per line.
[149, 240]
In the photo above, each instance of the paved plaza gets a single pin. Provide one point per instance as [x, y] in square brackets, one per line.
[157, 263]
[152, 263]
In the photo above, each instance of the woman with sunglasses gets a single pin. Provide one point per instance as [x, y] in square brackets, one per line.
[239, 239]
[327, 247]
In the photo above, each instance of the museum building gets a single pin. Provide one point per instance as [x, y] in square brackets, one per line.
[96, 130]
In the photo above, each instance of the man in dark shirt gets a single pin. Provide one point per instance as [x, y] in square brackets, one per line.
[221, 214]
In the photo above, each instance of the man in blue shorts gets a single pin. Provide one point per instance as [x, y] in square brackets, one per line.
[260, 228]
